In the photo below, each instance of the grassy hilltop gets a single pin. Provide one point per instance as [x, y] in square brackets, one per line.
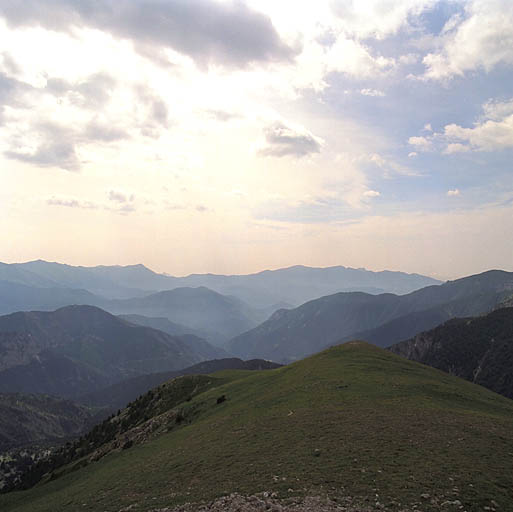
[354, 420]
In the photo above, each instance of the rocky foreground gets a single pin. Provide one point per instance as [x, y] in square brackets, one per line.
[269, 502]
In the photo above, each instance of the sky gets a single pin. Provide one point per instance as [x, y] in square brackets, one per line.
[233, 136]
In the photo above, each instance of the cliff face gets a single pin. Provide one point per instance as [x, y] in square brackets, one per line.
[477, 349]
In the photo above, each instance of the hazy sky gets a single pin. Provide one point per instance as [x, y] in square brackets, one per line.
[232, 136]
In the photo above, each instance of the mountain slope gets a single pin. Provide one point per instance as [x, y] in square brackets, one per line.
[118, 395]
[199, 308]
[352, 421]
[165, 325]
[477, 349]
[292, 334]
[20, 297]
[27, 420]
[78, 349]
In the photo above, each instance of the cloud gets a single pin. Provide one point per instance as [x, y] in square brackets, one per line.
[421, 143]
[210, 32]
[71, 203]
[453, 193]
[120, 197]
[372, 92]
[377, 18]
[371, 193]
[222, 115]
[389, 166]
[51, 153]
[412, 154]
[11, 93]
[282, 140]
[455, 148]
[480, 41]
[102, 132]
[51, 145]
[9, 64]
[493, 132]
[93, 92]
[355, 59]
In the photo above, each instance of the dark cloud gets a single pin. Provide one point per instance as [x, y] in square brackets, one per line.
[11, 93]
[282, 140]
[58, 146]
[56, 149]
[102, 132]
[209, 31]
[49, 154]
[156, 112]
[93, 93]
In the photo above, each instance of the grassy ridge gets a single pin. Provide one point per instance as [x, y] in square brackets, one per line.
[353, 420]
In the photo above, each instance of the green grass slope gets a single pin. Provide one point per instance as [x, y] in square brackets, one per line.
[354, 420]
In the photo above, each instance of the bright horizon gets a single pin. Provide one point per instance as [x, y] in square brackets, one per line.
[208, 136]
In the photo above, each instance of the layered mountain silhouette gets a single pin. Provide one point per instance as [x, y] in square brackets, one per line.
[263, 290]
[477, 349]
[197, 311]
[201, 309]
[78, 349]
[380, 319]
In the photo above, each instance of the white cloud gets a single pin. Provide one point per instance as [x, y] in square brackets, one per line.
[377, 18]
[412, 154]
[491, 133]
[455, 147]
[371, 193]
[482, 40]
[372, 92]
[421, 143]
[355, 59]
[453, 193]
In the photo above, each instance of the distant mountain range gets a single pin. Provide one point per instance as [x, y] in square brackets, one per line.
[203, 311]
[79, 349]
[381, 319]
[477, 349]
[214, 307]
[263, 290]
